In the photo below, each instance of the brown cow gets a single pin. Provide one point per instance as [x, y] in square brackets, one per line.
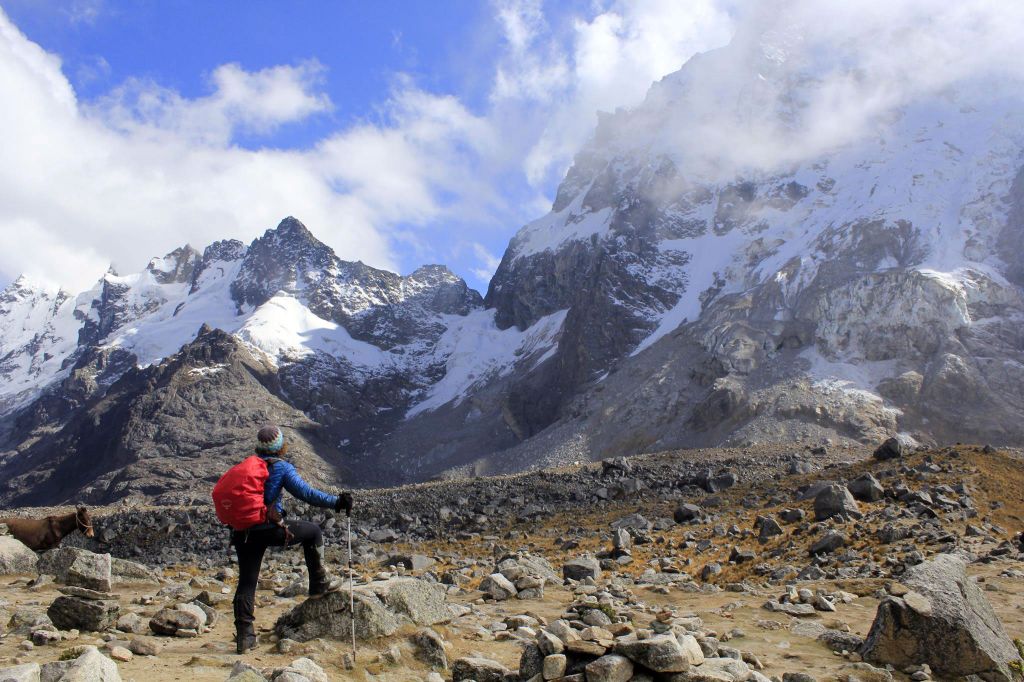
[44, 534]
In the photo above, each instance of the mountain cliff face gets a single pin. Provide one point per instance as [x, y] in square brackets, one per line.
[684, 290]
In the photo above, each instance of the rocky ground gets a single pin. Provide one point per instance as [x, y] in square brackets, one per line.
[700, 565]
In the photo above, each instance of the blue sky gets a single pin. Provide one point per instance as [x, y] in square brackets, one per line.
[402, 133]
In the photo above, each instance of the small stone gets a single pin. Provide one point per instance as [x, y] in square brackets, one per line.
[610, 668]
[580, 569]
[554, 666]
[144, 647]
[119, 653]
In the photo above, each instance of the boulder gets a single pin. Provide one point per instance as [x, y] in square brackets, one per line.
[169, 621]
[478, 669]
[132, 623]
[92, 666]
[16, 558]
[27, 672]
[413, 600]
[894, 448]
[498, 587]
[123, 570]
[530, 565]
[380, 609]
[945, 621]
[329, 617]
[579, 569]
[829, 542]
[687, 512]
[716, 483]
[661, 653]
[75, 613]
[554, 666]
[413, 562]
[54, 670]
[716, 670]
[610, 668]
[798, 610]
[429, 647]
[834, 500]
[632, 522]
[25, 621]
[91, 571]
[243, 672]
[866, 488]
[767, 528]
[309, 670]
[531, 662]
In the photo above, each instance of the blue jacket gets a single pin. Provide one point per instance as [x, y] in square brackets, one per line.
[284, 476]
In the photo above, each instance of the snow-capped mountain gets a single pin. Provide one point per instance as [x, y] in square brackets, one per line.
[352, 347]
[721, 265]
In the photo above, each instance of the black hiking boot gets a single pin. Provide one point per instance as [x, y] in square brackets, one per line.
[245, 638]
[319, 582]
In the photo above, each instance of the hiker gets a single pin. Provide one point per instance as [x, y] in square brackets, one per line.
[248, 498]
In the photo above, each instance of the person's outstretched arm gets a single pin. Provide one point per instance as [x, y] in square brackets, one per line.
[297, 486]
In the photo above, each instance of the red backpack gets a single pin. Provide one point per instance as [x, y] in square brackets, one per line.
[238, 495]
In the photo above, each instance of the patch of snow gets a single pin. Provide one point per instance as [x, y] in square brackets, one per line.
[573, 223]
[861, 377]
[38, 331]
[710, 257]
[176, 321]
[284, 326]
[478, 351]
[207, 371]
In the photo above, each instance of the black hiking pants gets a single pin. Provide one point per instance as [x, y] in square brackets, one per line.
[251, 545]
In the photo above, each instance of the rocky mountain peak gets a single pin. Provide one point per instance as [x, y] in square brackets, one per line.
[287, 258]
[177, 267]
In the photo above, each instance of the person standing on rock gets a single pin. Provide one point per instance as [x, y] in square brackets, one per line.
[248, 498]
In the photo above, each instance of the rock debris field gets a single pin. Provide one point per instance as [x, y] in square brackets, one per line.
[785, 564]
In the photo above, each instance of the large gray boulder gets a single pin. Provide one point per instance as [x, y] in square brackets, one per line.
[75, 613]
[329, 617]
[91, 571]
[579, 569]
[27, 672]
[77, 566]
[498, 587]
[16, 558]
[413, 600]
[610, 668]
[835, 500]
[92, 666]
[866, 488]
[124, 570]
[896, 447]
[380, 609]
[945, 621]
[479, 669]
[661, 653]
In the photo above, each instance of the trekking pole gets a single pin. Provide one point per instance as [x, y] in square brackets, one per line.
[351, 588]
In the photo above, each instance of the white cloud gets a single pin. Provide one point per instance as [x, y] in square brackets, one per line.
[605, 61]
[241, 102]
[806, 76]
[145, 169]
[488, 262]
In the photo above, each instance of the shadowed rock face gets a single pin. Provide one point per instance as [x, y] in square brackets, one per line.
[946, 622]
[165, 431]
